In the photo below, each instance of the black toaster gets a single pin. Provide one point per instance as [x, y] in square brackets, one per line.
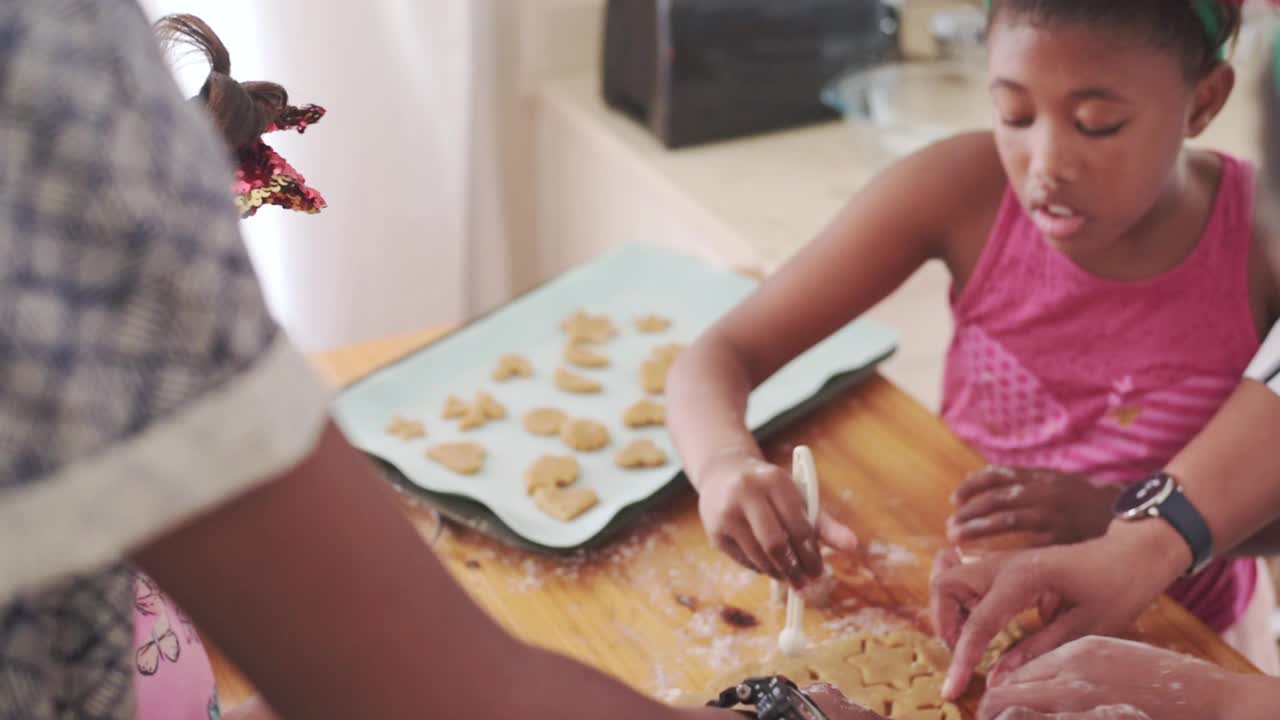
[696, 71]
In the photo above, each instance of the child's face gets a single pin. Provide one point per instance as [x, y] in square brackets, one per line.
[1089, 126]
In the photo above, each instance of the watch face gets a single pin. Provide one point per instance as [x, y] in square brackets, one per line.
[1143, 495]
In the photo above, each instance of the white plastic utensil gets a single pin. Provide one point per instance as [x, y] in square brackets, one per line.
[805, 473]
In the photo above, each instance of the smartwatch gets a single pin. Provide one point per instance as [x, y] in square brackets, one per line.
[774, 698]
[1160, 496]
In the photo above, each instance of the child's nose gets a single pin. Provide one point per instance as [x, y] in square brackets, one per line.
[1053, 159]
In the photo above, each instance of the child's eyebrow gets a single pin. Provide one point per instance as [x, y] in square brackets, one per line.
[1085, 93]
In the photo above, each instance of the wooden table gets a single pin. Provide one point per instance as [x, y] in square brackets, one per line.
[660, 609]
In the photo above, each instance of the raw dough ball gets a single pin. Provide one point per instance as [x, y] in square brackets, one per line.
[565, 504]
[652, 323]
[465, 458]
[512, 366]
[642, 453]
[574, 383]
[551, 471]
[406, 429]
[584, 435]
[545, 421]
[644, 414]
[585, 327]
[582, 355]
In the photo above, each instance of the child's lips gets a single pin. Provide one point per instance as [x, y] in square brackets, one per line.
[1056, 221]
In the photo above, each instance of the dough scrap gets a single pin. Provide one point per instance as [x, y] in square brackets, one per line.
[551, 471]
[585, 327]
[545, 422]
[580, 354]
[642, 453]
[512, 366]
[584, 435]
[565, 504]
[465, 458]
[406, 429]
[652, 323]
[575, 383]
[645, 413]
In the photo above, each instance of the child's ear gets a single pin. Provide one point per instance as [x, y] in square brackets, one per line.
[1211, 93]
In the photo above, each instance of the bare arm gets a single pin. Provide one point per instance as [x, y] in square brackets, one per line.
[1263, 543]
[1101, 586]
[321, 591]
[907, 216]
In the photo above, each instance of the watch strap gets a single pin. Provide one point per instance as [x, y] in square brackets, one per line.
[1178, 511]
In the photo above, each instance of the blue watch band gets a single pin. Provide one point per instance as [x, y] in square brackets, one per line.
[1178, 511]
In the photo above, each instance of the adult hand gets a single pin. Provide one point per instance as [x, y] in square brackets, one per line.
[1098, 678]
[1093, 588]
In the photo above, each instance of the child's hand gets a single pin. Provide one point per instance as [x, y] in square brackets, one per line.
[754, 512]
[1053, 508]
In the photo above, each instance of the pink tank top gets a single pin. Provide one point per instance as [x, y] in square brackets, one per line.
[1054, 367]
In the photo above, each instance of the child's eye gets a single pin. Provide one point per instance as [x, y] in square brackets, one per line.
[1016, 122]
[1100, 131]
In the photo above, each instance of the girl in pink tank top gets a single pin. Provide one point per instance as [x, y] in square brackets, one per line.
[1108, 294]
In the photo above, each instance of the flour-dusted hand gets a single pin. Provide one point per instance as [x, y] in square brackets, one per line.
[1098, 678]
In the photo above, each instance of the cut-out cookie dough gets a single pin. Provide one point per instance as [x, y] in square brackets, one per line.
[512, 366]
[898, 675]
[585, 327]
[491, 408]
[565, 504]
[642, 453]
[645, 413]
[473, 418]
[653, 376]
[575, 383]
[584, 435]
[406, 429]
[479, 413]
[465, 458]
[667, 353]
[652, 323]
[653, 371]
[545, 422]
[551, 471]
[576, 353]
[454, 408]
